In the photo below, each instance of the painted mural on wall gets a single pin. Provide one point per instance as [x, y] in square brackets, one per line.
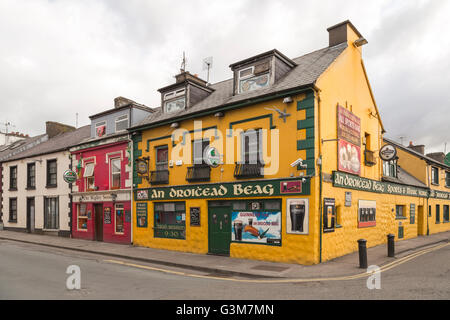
[256, 227]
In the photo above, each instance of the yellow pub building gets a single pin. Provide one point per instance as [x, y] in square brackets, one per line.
[283, 162]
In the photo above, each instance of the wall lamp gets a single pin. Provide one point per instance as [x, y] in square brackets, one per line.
[287, 100]
[218, 114]
[175, 125]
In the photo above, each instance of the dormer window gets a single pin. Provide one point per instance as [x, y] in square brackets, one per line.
[260, 71]
[175, 100]
[249, 82]
[100, 129]
[122, 123]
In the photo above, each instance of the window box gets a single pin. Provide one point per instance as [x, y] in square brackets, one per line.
[369, 158]
[248, 170]
[159, 177]
[198, 173]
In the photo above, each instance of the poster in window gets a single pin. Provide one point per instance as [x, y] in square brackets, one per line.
[141, 214]
[195, 216]
[107, 215]
[297, 216]
[127, 215]
[256, 227]
[329, 214]
[367, 210]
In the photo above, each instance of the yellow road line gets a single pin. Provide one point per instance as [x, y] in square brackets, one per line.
[383, 268]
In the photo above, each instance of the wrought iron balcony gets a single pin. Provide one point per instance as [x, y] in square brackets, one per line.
[159, 177]
[369, 158]
[198, 173]
[247, 170]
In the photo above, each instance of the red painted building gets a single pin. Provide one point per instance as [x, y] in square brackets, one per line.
[101, 196]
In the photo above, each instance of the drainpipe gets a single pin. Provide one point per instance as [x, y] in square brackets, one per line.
[130, 141]
[319, 163]
[428, 197]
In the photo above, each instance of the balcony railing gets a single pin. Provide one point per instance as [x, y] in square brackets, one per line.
[369, 158]
[198, 173]
[159, 177]
[247, 170]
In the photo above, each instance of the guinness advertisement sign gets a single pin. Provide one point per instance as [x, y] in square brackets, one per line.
[388, 152]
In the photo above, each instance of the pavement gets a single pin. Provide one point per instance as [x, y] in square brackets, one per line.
[226, 266]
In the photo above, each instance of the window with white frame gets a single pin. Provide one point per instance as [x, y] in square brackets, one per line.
[89, 176]
[434, 175]
[248, 81]
[390, 168]
[100, 129]
[119, 218]
[251, 147]
[82, 217]
[115, 173]
[122, 123]
[175, 100]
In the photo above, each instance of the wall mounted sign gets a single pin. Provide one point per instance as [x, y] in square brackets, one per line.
[142, 166]
[329, 214]
[348, 126]
[70, 176]
[195, 216]
[349, 157]
[141, 214]
[270, 188]
[388, 152]
[107, 215]
[101, 130]
[291, 186]
[367, 210]
[348, 199]
[412, 213]
[297, 216]
[142, 195]
[256, 227]
[212, 157]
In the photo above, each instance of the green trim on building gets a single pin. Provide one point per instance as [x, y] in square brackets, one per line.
[305, 144]
[229, 134]
[137, 153]
[307, 124]
[310, 133]
[306, 103]
[304, 124]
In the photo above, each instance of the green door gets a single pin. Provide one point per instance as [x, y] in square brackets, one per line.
[219, 228]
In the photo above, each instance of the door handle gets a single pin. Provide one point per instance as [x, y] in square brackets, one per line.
[214, 218]
[220, 225]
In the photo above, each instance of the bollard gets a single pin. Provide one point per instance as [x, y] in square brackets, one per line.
[391, 245]
[362, 253]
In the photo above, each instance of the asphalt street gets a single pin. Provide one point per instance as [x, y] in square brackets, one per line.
[37, 272]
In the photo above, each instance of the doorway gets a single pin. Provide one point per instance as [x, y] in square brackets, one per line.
[420, 221]
[219, 230]
[30, 215]
[98, 213]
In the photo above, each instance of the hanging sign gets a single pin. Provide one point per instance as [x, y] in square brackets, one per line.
[70, 176]
[348, 126]
[142, 166]
[212, 157]
[388, 152]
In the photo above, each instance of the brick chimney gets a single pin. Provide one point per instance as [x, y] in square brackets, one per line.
[186, 75]
[55, 128]
[438, 156]
[122, 101]
[420, 148]
[345, 32]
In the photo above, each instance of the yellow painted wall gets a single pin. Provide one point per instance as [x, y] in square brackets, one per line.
[295, 248]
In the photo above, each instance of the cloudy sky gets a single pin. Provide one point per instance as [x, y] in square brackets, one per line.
[62, 57]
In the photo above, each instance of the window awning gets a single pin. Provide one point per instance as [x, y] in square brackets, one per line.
[89, 170]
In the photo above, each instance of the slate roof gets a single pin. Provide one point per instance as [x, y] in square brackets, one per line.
[20, 146]
[417, 154]
[59, 143]
[309, 67]
[404, 177]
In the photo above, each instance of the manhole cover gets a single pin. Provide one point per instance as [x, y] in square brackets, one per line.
[270, 268]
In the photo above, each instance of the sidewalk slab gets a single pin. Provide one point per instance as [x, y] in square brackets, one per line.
[226, 266]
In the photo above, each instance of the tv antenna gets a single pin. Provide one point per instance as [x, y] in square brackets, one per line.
[207, 65]
[183, 63]
[7, 124]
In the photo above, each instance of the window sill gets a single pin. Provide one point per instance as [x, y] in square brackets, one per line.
[30, 188]
[51, 186]
[437, 222]
[401, 218]
[435, 184]
[338, 226]
[445, 221]
[12, 189]
[12, 221]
